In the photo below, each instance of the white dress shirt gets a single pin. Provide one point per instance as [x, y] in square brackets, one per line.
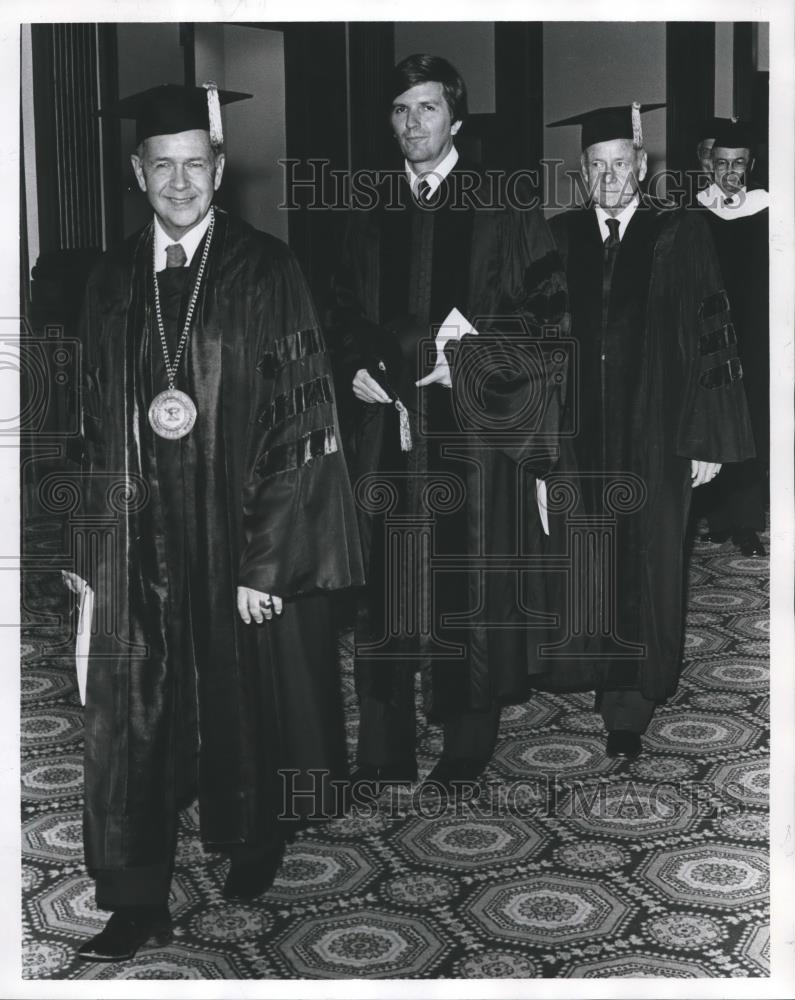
[433, 177]
[623, 218]
[189, 241]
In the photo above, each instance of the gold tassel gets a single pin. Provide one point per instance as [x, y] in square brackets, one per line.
[406, 444]
[214, 113]
[637, 134]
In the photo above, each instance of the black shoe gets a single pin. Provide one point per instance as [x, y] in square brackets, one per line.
[403, 773]
[623, 743]
[747, 541]
[450, 772]
[252, 872]
[126, 931]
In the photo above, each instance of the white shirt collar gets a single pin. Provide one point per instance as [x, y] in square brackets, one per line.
[623, 218]
[433, 177]
[189, 241]
[738, 206]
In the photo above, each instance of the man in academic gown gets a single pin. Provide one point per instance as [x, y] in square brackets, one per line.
[704, 152]
[737, 215]
[661, 406]
[440, 251]
[211, 452]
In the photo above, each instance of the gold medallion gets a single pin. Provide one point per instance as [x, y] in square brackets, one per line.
[172, 414]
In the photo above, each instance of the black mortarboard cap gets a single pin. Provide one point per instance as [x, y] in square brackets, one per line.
[172, 108]
[604, 124]
[733, 134]
[708, 128]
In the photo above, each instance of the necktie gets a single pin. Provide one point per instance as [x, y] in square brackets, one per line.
[175, 255]
[611, 245]
[422, 190]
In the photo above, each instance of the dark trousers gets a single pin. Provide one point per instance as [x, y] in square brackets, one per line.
[149, 885]
[625, 709]
[387, 730]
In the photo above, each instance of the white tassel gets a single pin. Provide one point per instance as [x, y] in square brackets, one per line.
[214, 113]
[406, 444]
[637, 134]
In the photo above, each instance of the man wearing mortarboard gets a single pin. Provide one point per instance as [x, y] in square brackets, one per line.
[704, 150]
[212, 671]
[660, 407]
[737, 215]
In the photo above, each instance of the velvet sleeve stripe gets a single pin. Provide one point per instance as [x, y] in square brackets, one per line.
[714, 322]
[721, 375]
[293, 347]
[717, 340]
[300, 399]
[295, 454]
[714, 305]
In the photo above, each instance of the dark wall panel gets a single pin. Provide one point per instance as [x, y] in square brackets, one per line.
[317, 129]
[371, 56]
[67, 136]
[690, 66]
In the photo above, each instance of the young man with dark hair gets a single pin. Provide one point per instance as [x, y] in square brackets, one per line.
[481, 280]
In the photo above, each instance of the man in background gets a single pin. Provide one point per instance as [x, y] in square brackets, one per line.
[704, 152]
[737, 216]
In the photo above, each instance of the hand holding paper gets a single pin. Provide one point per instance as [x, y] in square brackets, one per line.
[455, 327]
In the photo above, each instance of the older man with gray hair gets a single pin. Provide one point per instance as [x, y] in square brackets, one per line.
[661, 407]
[212, 666]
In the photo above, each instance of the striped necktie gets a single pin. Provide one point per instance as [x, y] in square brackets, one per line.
[175, 255]
[423, 190]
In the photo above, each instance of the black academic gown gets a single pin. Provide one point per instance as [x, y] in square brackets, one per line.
[403, 268]
[737, 497]
[257, 495]
[658, 384]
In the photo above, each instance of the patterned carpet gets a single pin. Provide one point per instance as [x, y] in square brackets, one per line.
[568, 865]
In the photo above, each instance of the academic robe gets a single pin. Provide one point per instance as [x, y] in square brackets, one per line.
[659, 384]
[403, 268]
[266, 504]
[737, 497]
